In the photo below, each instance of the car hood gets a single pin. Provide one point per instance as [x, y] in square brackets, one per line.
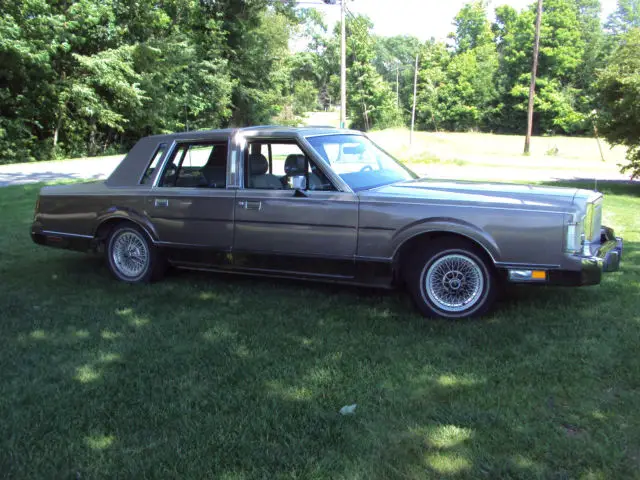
[495, 194]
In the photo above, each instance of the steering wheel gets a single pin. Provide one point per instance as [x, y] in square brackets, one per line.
[366, 168]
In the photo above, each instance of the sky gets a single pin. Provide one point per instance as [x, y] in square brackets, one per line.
[421, 18]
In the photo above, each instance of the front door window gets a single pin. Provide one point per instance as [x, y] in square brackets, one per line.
[273, 166]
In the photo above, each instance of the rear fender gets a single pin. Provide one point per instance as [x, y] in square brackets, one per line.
[119, 213]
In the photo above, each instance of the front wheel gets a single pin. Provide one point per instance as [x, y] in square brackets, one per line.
[451, 279]
[131, 257]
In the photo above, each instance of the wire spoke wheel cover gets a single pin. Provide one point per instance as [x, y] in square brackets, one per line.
[454, 283]
[130, 254]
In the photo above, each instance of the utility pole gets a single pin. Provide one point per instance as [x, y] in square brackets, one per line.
[532, 86]
[343, 66]
[398, 84]
[415, 90]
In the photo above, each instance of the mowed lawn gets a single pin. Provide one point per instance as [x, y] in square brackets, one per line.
[211, 376]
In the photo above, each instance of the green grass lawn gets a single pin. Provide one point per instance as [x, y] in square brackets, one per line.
[210, 376]
[499, 152]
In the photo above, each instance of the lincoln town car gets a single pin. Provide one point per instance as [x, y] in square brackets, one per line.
[326, 204]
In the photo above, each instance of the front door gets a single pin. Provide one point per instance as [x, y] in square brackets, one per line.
[310, 231]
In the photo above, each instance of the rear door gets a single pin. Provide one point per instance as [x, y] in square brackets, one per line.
[278, 228]
[190, 206]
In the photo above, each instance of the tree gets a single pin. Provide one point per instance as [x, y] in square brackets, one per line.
[560, 106]
[459, 91]
[625, 18]
[595, 50]
[618, 97]
[370, 101]
[431, 78]
[472, 27]
[394, 60]
[91, 76]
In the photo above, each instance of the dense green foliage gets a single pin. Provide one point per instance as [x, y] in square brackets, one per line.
[92, 76]
[619, 96]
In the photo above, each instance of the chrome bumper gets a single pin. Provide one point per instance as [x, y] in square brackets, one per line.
[600, 258]
[606, 259]
[610, 250]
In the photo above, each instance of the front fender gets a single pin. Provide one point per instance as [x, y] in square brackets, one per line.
[446, 225]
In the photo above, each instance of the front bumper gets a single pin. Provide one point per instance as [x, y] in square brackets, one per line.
[605, 258]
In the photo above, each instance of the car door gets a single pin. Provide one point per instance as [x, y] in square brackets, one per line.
[190, 206]
[278, 228]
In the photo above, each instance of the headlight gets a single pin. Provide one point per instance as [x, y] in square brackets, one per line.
[575, 235]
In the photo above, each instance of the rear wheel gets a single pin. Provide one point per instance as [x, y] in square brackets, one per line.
[131, 256]
[451, 279]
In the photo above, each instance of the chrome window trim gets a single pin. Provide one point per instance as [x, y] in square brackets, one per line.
[360, 134]
[333, 177]
[341, 132]
[306, 148]
[167, 156]
[176, 144]
[161, 145]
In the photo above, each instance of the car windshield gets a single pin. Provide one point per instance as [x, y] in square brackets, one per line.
[359, 161]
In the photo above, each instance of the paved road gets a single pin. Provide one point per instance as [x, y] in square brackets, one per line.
[101, 167]
[84, 168]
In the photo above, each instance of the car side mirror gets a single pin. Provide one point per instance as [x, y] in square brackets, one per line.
[299, 182]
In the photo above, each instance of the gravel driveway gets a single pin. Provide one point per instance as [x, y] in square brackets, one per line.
[87, 168]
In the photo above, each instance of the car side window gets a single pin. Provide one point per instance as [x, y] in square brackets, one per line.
[153, 164]
[196, 165]
[272, 166]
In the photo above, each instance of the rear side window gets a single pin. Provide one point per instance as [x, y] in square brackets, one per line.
[148, 173]
[197, 165]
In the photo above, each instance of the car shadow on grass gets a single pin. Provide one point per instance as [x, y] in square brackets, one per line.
[223, 376]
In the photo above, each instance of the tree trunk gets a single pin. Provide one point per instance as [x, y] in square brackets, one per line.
[61, 108]
[56, 131]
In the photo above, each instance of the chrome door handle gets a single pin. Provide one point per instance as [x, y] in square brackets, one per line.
[161, 202]
[248, 205]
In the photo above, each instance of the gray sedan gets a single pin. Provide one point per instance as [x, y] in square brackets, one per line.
[326, 204]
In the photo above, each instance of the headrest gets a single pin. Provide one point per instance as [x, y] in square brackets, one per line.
[258, 164]
[295, 164]
[218, 157]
